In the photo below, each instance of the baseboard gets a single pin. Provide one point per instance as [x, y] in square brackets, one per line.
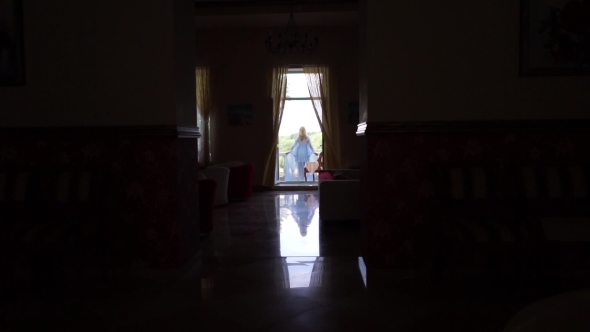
[295, 188]
[260, 189]
[282, 187]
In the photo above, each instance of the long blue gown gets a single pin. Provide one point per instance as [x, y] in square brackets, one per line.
[301, 152]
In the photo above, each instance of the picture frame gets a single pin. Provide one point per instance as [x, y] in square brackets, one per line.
[240, 115]
[12, 66]
[554, 37]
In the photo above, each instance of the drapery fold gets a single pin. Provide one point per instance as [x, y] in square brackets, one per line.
[204, 110]
[277, 78]
[322, 89]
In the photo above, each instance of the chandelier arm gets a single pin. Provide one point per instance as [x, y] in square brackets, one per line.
[291, 39]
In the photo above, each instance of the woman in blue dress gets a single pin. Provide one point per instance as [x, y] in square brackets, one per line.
[301, 151]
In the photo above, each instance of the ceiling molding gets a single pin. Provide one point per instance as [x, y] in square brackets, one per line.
[269, 7]
[324, 19]
[258, 3]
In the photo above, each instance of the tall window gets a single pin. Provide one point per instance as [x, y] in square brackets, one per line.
[298, 112]
[298, 104]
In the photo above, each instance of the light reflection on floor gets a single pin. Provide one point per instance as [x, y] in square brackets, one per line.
[299, 236]
[258, 273]
[300, 271]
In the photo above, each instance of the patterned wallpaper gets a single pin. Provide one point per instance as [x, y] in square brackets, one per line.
[399, 189]
[154, 212]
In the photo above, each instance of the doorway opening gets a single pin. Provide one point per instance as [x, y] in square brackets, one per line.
[298, 112]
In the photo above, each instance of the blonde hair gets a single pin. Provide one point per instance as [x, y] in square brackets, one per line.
[302, 133]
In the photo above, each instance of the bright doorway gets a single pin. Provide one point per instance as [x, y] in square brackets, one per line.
[299, 111]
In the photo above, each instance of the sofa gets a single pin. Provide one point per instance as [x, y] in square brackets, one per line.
[339, 192]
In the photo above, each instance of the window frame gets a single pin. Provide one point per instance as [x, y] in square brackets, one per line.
[298, 71]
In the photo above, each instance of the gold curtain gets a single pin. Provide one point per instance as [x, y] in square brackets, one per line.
[322, 89]
[277, 78]
[204, 106]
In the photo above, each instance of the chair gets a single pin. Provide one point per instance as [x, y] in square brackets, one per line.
[314, 167]
[241, 176]
[240, 182]
[221, 176]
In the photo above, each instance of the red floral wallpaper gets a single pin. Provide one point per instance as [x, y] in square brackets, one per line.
[154, 199]
[188, 208]
[398, 189]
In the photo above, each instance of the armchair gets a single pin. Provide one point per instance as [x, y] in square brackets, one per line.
[221, 176]
[241, 175]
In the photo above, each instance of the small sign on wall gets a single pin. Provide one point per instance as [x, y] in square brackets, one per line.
[240, 115]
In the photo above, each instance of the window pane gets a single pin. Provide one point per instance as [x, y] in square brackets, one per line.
[297, 86]
[298, 113]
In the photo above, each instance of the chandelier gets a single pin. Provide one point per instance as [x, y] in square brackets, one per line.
[291, 40]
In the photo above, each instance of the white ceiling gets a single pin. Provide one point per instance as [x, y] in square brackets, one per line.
[277, 20]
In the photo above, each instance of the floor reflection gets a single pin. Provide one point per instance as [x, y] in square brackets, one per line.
[300, 238]
[300, 270]
[299, 235]
[264, 268]
[283, 230]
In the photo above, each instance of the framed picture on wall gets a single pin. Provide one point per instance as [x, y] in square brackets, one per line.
[555, 37]
[240, 115]
[12, 67]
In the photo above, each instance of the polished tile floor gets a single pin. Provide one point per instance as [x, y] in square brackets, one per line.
[271, 265]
